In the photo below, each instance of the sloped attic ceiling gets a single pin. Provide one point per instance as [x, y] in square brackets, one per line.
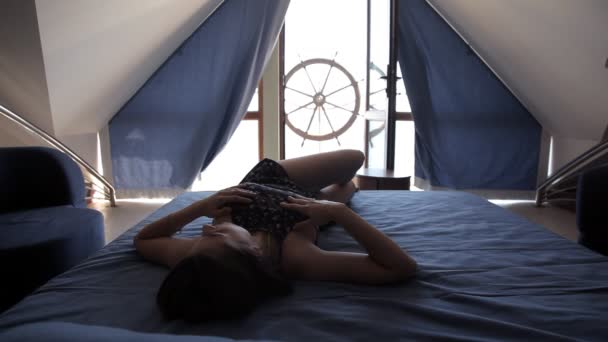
[97, 54]
[552, 54]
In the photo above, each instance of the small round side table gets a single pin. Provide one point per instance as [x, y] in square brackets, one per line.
[381, 179]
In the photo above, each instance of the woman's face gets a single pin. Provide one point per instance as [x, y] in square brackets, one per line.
[215, 237]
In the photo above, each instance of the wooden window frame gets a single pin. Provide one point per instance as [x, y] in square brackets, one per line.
[258, 115]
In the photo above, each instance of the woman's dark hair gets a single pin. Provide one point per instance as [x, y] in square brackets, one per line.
[203, 287]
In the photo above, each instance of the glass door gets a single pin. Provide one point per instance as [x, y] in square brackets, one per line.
[334, 85]
[324, 58]
[376, 111]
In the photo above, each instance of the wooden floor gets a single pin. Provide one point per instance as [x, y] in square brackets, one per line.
[128, 213]
[558, 220]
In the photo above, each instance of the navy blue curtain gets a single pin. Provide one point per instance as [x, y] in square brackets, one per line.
[185, 113]
[471, 132]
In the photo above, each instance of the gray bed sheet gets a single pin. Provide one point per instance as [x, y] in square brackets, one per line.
[484, 274]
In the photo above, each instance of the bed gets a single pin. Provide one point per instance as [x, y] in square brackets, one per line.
[484, 273]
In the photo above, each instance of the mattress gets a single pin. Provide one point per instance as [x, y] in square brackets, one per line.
[484, 273]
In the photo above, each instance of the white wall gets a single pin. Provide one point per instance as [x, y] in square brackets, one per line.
[11, 134]
[565, 149]
[23, 86]
[98, 53]
[85, 145]
[551, 54]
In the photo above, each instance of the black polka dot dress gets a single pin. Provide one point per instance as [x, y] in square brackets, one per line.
[272, 186]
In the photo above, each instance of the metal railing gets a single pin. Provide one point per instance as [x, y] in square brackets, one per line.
[549, 188]
[107, 188]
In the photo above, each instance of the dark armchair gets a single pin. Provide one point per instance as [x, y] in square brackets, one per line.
[45, 227]
[592, 209]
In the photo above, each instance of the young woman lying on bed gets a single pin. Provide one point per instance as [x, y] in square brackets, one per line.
[264, 232]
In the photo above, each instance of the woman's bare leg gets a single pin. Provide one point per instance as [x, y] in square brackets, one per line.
[329, 172]
[338, 192]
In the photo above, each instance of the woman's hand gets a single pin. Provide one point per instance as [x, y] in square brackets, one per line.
[215, 205]
[319, 212]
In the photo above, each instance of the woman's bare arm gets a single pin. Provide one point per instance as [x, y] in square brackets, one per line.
[212, 206]
[170, 224]
[380, 247]
[155, 242]
[384, 262]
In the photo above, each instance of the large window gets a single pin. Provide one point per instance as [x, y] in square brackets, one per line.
[334, 85]
[324, 66]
